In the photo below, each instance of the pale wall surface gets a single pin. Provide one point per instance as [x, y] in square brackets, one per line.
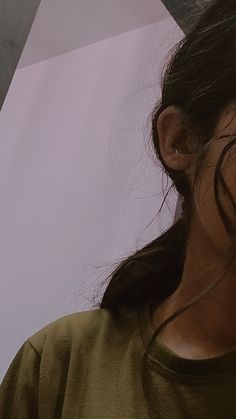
[77, 184]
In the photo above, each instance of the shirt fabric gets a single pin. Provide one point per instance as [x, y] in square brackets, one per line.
[88, 365]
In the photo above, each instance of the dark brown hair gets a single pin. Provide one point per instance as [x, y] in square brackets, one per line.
[200, 79]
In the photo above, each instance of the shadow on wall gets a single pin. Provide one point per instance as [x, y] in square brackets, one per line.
[16, 20]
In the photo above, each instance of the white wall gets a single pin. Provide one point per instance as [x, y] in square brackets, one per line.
[77, 185]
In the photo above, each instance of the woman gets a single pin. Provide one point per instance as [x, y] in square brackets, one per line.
[162, 343]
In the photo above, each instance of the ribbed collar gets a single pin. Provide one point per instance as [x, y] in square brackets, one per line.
[225, 365]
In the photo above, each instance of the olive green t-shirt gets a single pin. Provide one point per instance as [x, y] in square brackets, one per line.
[88, 365]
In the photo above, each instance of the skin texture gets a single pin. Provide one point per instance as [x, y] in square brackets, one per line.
[208, 328]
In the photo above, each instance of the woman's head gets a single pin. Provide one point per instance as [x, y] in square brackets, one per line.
[198, 91]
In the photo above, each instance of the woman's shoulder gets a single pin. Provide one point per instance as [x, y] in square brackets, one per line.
[79, 327]
[66, 328]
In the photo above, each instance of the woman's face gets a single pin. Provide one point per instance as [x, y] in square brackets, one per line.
[204, 197]
[172, 136]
